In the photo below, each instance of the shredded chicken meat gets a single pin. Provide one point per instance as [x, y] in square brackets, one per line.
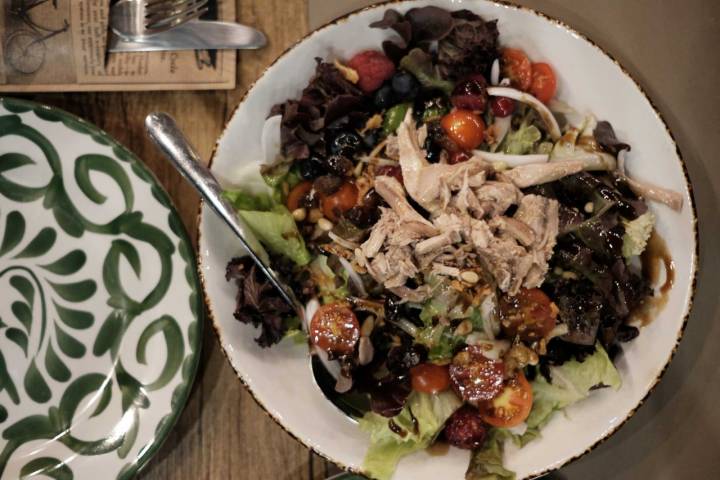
[465, 224]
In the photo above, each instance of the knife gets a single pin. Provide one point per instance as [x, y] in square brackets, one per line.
[193, 35]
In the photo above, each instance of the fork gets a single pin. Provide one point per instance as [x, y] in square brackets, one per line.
[134, 19]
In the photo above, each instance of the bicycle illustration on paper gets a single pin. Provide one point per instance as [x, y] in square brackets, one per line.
[25, 48]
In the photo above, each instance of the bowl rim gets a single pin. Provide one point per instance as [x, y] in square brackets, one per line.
[560, 23]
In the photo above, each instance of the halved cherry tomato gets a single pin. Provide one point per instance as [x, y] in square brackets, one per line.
[544, 83]
[335, 329]
[516, 66]
[464, 128]
[339, 202]
[512, 406]
[529, 314]
[297, 195]
[474, 377]
[430, 378]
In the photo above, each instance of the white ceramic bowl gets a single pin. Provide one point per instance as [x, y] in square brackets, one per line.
[280, 378]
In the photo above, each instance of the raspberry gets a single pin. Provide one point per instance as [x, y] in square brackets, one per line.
[373, 68]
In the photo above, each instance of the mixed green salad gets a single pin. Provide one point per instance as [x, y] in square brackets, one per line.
[468, 246]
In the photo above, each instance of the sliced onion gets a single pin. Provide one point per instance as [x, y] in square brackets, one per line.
[545, 114]
[491, 326]
[671, 198]
[343, 384]
[512, 160]
[621, 161]
[270, 139]
[310, 309]
[366, 351]
[495, 72]
[353, 276]
[501, 127]
[342, 242]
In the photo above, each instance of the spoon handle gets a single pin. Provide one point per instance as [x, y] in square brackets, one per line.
[163, 130]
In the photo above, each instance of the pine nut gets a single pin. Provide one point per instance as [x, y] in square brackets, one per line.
[299, 214]
[325, 224]
[470, 277]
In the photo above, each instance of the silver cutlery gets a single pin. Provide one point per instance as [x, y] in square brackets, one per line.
[136, 19]
[194, 35]
[165, 133]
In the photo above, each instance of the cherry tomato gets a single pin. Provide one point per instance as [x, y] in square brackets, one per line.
[544, 83]
[430, 378]
[464, 128]
[474, 377]
[339, 202]
[502, 106]
[529, 314]
[512, 406]
[457, 157]
[390, 171]
[297, 195]
[516, 66]
[335, 329]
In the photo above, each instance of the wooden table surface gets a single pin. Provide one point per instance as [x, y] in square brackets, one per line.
[222, 433]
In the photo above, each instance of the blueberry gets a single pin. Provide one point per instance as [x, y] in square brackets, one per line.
[384, 97]
[405, 86]
[311, 168]
[432, 149]
[346, 143]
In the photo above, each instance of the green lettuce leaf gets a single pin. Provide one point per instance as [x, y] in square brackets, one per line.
[637, 234]
[278, 232]
[242, 200]
[271, 223]
[571, 382]
[332, 286]
[387, 447]
[487, 462]
[522, 140]
[420, 64]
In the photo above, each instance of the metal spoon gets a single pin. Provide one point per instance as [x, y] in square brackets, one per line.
[163, 130]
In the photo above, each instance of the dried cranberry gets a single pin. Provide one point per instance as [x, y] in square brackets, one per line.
[471, 93]
[457, 157]
[502, 106]
[465, 429]
[339, 165]
[327, 184]
[390, 171]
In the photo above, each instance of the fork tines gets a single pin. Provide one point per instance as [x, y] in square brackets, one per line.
[161, 15]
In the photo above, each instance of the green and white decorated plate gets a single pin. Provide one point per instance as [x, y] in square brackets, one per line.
[100, 317]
